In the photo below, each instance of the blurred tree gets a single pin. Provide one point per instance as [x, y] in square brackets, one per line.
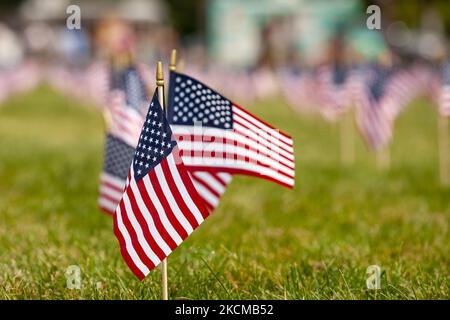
[188, 17]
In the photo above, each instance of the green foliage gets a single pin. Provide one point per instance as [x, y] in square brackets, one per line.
[263, 242]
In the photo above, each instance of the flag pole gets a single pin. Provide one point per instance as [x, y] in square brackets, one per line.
[347, 141]
[160, 88]
[444, 150]
[383, 158]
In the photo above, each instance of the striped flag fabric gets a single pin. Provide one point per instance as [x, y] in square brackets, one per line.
[160, 206]
[217, 136]
[126, 114]
[209, 184]
[444, 97]
[373, 121]
[333, 94]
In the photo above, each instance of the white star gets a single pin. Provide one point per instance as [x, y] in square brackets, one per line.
[154, 158]
[159, 125]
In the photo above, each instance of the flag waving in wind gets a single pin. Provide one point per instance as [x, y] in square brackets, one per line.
[160, 206]
[219, 137]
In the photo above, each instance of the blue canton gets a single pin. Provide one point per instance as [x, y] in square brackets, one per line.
[118, 157]
[446, 73]
[131, 83]
[155, 142]
[191, 102]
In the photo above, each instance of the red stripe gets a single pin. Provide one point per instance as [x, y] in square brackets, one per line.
[260, 136]
[240, 171]
[233, 156]
[156, 219]
[234, 142]
[109, 197]
[144, 226]
[106, 211]
[111, 186]
[168, 210]
[258, 119]
[206, 185]
[191, 190]
[177, 196]
[134, 239]
[124, 252]
[219, 179]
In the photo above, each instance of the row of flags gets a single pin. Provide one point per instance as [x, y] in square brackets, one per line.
[376, 93]
[164, 172]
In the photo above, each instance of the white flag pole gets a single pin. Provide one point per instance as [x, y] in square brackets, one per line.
[444, 152]
[160, 88]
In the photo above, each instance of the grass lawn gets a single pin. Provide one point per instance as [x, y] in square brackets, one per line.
[263, 242]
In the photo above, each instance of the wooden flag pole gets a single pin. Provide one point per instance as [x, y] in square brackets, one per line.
[444, 152]
[160, 86]
[347, 141]
[383, 158]
[173, 60]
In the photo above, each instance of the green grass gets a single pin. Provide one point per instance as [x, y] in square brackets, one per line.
[263, 242]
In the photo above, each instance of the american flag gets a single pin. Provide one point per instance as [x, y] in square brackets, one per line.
[373, 120]
[126, 111]
[160, 206]
[333, 94]
[444, 97]
[217, 138]
[296, 88]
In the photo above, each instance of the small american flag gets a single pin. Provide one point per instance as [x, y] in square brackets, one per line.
[217, 136]
[160, 206]
[127, 114]
[333, 90]
[444, 97]
[373, 121]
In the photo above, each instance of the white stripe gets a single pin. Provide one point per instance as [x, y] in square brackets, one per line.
[233, 164]
[182, 189]
[272, 140]
[161, 212]
[242, 135]
[139, 233]
[226, 177]
[249, 133]
[117, 182]
[149, 219]
[128, 245]
[219, 147]
[263, 126]
[206, 194]
[210, 180]
[171, 200]
[113, 193]
[107, 204]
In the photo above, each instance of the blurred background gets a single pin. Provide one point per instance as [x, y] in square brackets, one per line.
[237, 35]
